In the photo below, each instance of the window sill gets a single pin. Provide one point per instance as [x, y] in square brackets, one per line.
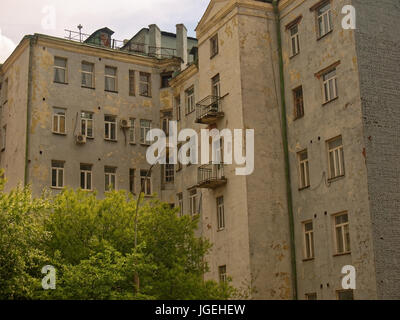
[305, 188]
[213, 55]
[295, 55]
[110, 91]
[132, 143]
[220, 230]
[336, 179]
[145, 144]
[65, 83]
[59, 134]
[342, 254]
[91, 88]
[298, 118]
[57, 188]
[308, 260]
[328, 102]
[189, 113]
[326, 34]
[144, 96]
[110, 140]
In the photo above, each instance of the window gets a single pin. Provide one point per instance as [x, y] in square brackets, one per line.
[189, 100]
[165, 77]
[214, 46]
[169, 170]
[110, 128]
[220, 213]
[311, 296]
[132, 181]
[193, 202]
[87, 124]
[324, 19]
[330, 86]
[180, 204]
[294, 40]
[223, 278]
[145, 182]
[132, 90]
[87, 75]
[304, 169]
[3, 138]
[298, 102]
[215, 86]
[86, 177]
[57, 174]
[336, 158]
[110, 174]
[132, 135]
[59, 121]
[145, 85]
[166, 118]
[111, 79]
[179, 163]
[345, 295]
[308, 230]
[178, 108]
[342, 234]
[60, 70]
[145, 127]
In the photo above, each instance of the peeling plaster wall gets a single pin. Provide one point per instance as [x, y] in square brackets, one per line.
[322, 275]
[378, 50]
[46, 146]
[13, 115]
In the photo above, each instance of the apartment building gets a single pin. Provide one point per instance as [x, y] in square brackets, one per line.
[322, 101]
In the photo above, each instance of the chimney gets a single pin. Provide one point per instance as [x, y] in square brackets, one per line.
[181, 44]
[154, 40]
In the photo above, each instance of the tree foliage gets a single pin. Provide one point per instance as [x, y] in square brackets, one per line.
[90, 242]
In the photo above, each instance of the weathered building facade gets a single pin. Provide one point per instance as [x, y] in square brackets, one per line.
[321, 99]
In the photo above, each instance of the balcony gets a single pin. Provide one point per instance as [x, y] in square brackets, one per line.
[209, 110]
[211, 176]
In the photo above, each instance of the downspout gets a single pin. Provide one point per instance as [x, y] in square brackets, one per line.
[28, 110]
[286, 152]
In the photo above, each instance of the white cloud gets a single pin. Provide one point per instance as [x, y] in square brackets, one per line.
[7, 46]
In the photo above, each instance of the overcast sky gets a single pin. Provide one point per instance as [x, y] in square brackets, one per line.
[124, 17]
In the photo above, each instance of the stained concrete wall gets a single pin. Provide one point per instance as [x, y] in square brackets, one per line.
[378, 52]
[320, 123]
[13, 115]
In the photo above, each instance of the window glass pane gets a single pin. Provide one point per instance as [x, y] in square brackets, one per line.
[87, 67]
[110, 71]
[339, 240]
[60, 62]
[54, 178]
[60, 178]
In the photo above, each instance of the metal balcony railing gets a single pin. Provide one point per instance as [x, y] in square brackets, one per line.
[209, 110]
[211, 176]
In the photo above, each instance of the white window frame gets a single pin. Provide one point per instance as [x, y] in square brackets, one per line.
[344, 228]
[58, 170]
[88, 73]
[336, 155]
[145, 127]
[330, 90]
[132, 130]
[294, 40]
[86, 175]
[193, 202]
[169, 173]
[309, 244]
[180, 204]
[113, 77]
[59, 114]
[324, 20]
[190, 105]
[220, 213]
[304, 170]
[222, 273]
[111, 125]
[65, 69]
[146, 181]
[216, 86]
[86, 118]
[110, 176]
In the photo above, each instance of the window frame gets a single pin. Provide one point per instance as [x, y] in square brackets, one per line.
[146, 179]
[338, 292]
[92, 77]
[110, 125]
[144, 130]
[108, 76]
[222, 274]
[308, 241]
[132, 83]
[132, 131]
[325, 15]
[220, 213]
[190, 105]
[304, 169]
[326, 86]
[58, 170]
[298, 102]
[65, 69]
[132, 175]
[294, 39]
[110, 174]
[338, 152]
[214, 46]
[58, 116]
[145, 83]
[342, 226]
[193, 202]
[85, 121]
[178, 107]
[179, 196]
[86, 172]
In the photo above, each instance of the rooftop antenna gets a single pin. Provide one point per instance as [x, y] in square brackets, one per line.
[80, 27]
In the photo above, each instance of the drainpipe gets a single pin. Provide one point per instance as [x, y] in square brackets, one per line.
[286, 152]
[28, 109]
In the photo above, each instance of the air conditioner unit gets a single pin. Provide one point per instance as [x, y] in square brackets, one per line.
[125, 124]
[80, 139]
